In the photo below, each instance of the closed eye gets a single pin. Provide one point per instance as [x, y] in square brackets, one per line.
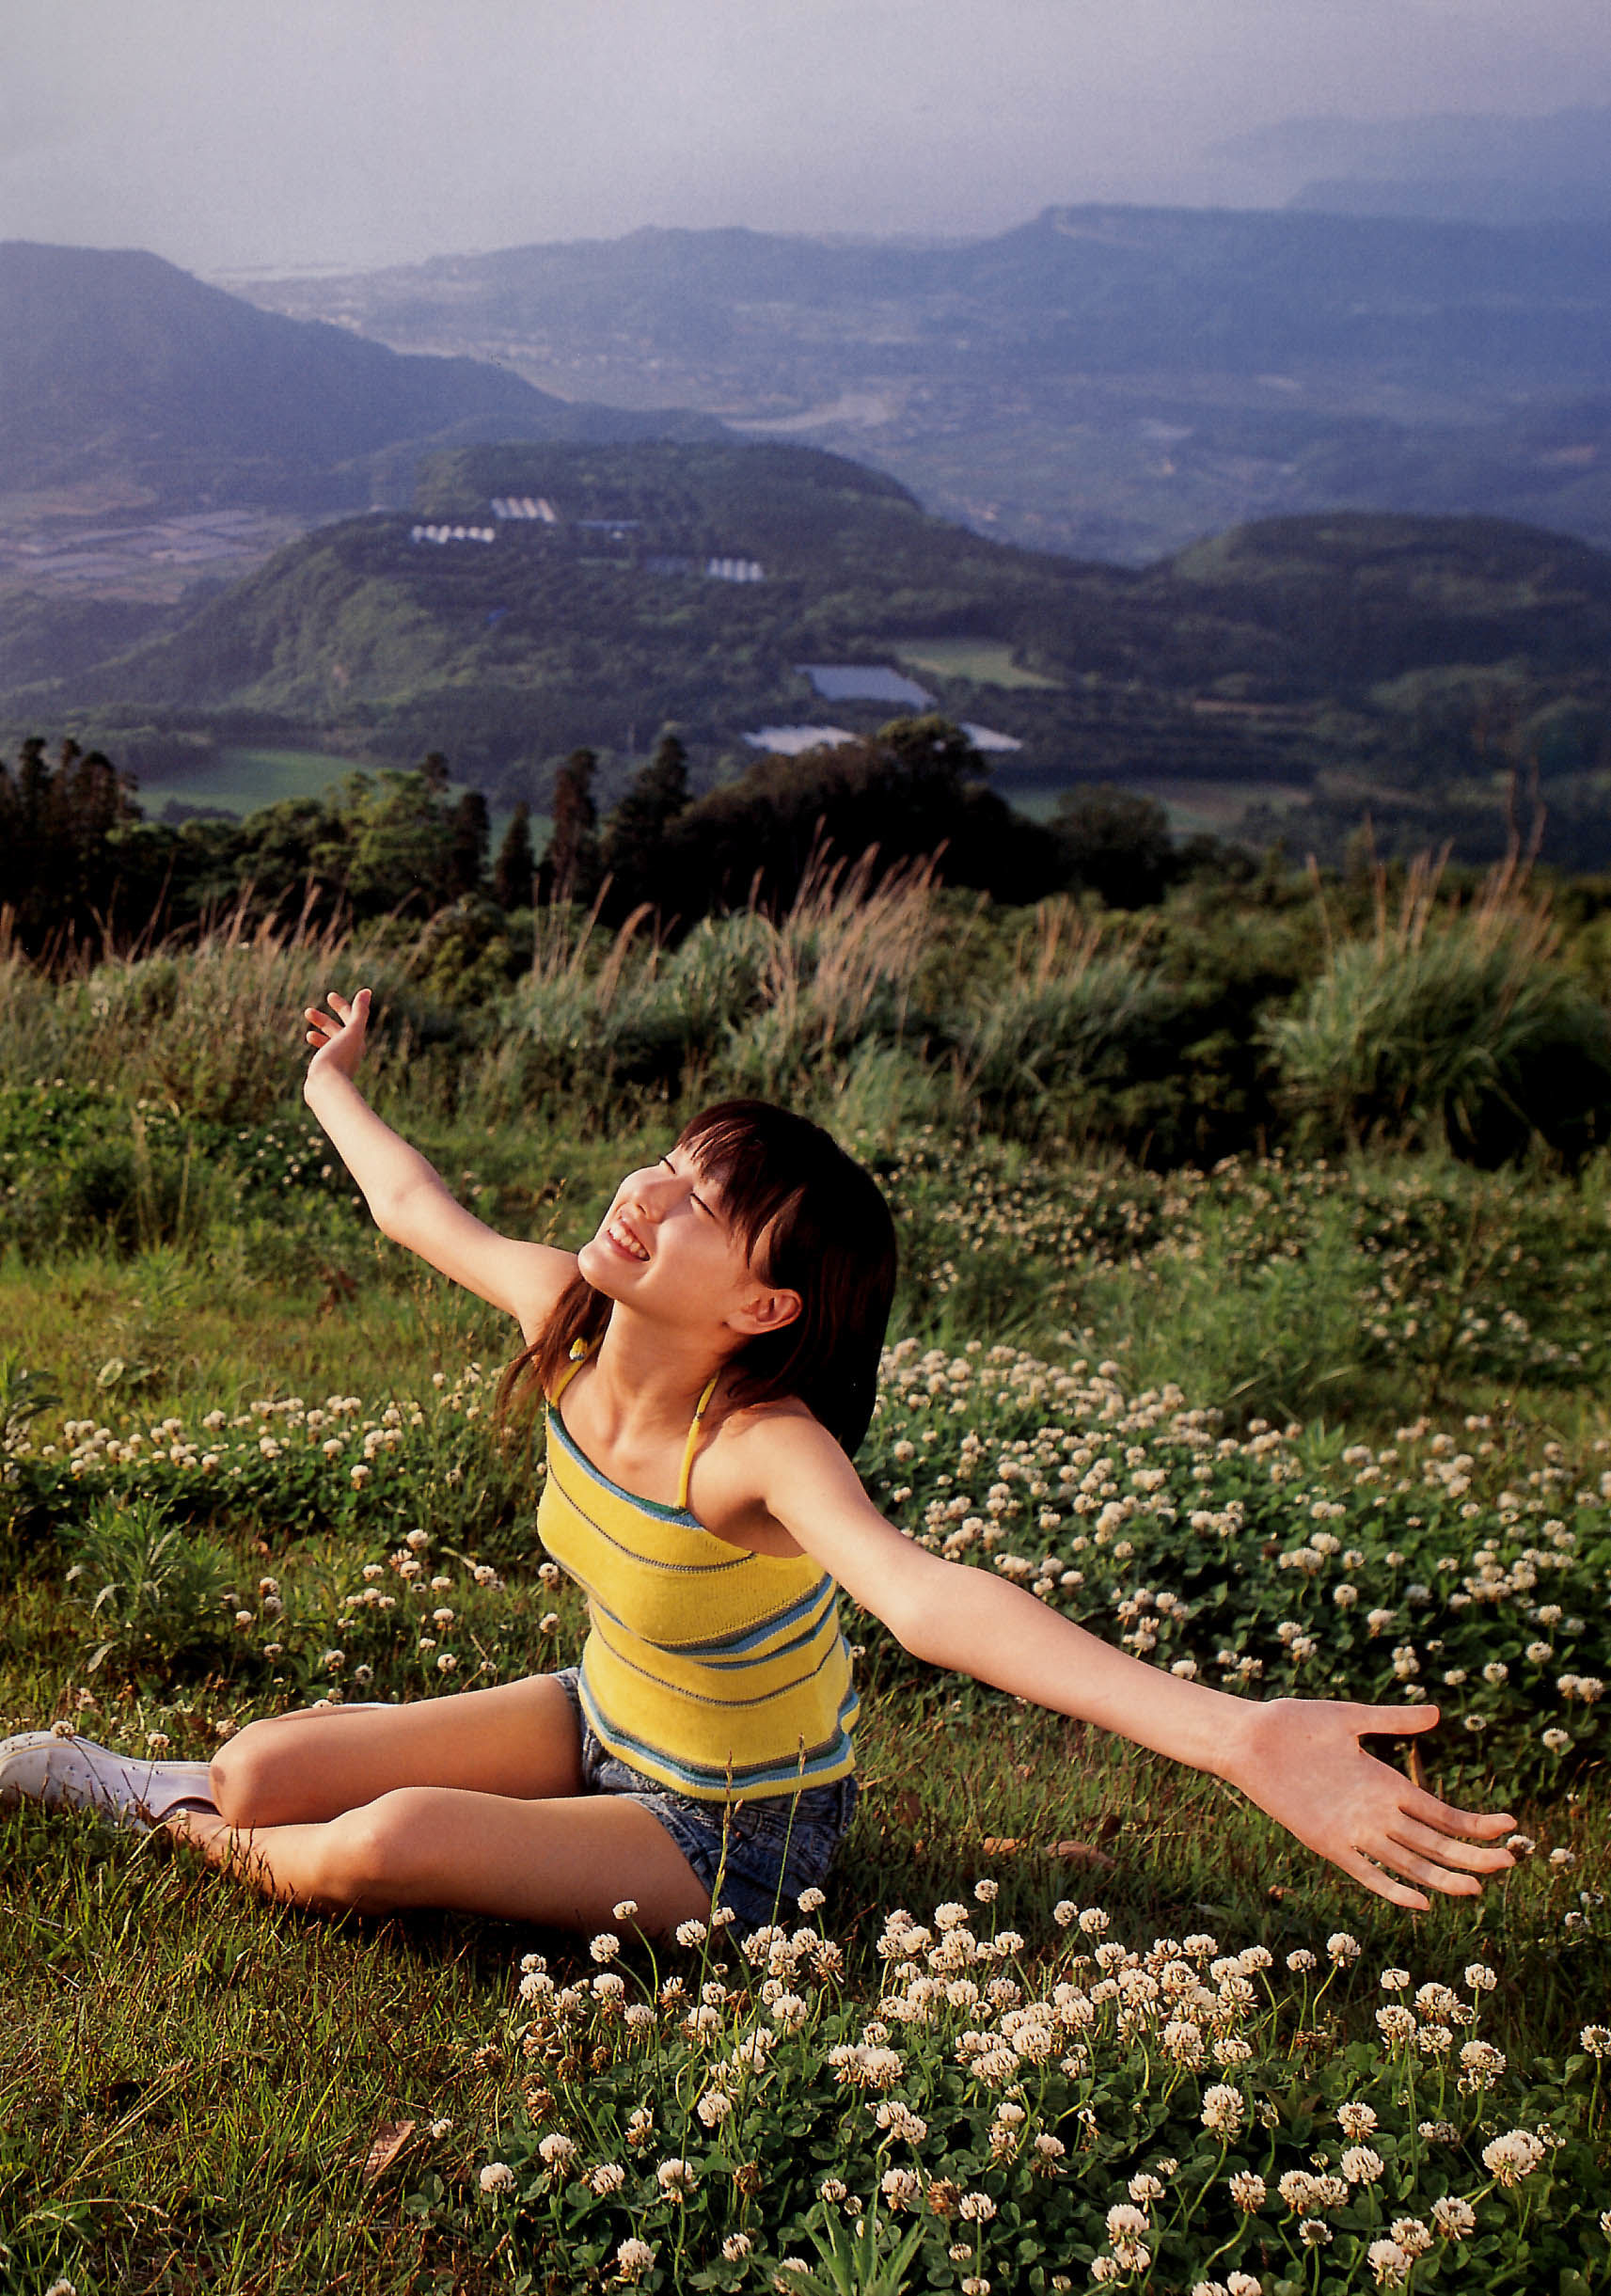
[693, 1196]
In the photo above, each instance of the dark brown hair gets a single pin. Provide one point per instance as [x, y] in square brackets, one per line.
[809, 1219]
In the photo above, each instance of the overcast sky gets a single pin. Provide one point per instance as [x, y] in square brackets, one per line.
[228, 134]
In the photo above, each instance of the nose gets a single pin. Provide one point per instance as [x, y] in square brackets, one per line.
[652, 1191]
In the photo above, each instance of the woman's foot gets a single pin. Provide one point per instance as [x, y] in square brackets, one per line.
[63, 1771]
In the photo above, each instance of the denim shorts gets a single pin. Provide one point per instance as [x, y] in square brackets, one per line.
[766, 1852]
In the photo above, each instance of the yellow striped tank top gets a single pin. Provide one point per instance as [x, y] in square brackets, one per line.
[720, 1674]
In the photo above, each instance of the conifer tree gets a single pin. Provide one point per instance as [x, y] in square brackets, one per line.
[515, 871]
[655, 798]
[571, 868]
[471, 830]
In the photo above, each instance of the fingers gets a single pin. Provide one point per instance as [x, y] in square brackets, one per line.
[1379, 1883]
[1450, 1819]
[1430, 1842]
[1392, 1722]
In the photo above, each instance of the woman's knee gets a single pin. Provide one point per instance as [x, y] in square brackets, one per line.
[370, 1857]
[254, 1777]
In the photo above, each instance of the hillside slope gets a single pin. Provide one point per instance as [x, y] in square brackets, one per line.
[119, 368]
[1349, 655]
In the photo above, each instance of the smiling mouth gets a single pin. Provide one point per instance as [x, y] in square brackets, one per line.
[617, 1232]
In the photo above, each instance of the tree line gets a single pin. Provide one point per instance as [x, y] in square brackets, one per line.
[79, 863]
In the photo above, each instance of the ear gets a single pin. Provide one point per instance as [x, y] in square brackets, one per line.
[764, 1311]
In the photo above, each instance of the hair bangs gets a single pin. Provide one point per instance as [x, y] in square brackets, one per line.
[748, 1158]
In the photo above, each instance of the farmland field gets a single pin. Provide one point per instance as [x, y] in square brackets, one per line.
[238, 781]
[978, 660]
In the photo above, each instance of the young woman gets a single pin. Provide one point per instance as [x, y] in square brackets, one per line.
[708, 1361]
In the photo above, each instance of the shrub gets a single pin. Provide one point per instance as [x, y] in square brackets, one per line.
[1456, 1026]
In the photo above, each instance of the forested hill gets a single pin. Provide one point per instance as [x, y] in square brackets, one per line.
[1270, 656]
[119, 368]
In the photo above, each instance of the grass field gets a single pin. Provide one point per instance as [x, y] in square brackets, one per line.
[1071, 2018]
[242, 780]
[977, 659]
[200, 2091]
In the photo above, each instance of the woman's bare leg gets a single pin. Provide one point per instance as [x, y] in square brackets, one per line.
[565, 1862]
[520, 1740]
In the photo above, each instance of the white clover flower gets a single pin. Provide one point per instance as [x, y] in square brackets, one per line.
[605, 1947]
[1393, 1980]
[691, 1933]
[676, 2178]
[625, 1911]
[1244, 2284]
[1389, 2262]
[736, 2246]
[556, 2152]
[633, 2258]
[811, 1901]
[607, 2177]
[1248, 2190]
[1479, 1978]
[1362, 2165]
[1300, 1961]
[497, 2177]
[1596, 2040]
[901, 2186]
[985, 1891]
[1511, 2157]
[1223, 2110]
[1093, 1922]
[1356, 2120]
[1343, 1948]
[441, 2128]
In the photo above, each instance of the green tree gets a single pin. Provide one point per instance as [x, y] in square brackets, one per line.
[515, 871]
[657, 797]
[471, 830]
[1117, 845]
[572, 870]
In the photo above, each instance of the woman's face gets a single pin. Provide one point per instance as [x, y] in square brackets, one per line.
[665, 1245]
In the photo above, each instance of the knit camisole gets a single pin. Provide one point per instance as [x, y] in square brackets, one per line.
[720, 1674]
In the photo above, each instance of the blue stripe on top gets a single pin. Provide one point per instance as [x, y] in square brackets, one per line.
[718, 1671]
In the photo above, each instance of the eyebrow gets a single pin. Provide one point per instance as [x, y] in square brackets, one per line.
[703, 1201]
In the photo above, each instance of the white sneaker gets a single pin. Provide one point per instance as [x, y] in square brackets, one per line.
[68, 1772]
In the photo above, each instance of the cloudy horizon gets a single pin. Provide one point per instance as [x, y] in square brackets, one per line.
[388, 131]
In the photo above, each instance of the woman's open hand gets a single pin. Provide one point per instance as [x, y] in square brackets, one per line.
[1300, 1760]
[338, 1034]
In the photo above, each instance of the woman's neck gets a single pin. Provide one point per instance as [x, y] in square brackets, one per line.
[646, 1381]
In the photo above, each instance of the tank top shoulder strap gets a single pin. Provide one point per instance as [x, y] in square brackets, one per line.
[580, 1351]
[691, 1447]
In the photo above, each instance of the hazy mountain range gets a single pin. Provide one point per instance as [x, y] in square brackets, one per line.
[1107, 381]
[1455, 167]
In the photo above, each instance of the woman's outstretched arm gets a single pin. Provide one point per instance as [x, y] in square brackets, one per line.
[408, 1197]
[1300, 1760]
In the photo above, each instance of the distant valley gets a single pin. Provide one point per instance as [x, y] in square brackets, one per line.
[1107, 382]
[227, 532]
